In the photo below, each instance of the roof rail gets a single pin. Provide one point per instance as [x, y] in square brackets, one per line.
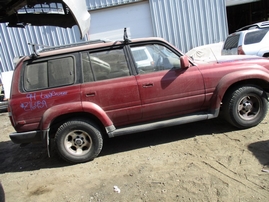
[73, 45]
[259, 25]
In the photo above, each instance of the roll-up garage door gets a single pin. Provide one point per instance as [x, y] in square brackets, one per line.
[109, 23]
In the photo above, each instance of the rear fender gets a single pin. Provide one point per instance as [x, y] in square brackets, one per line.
[232, 78]
[98, 112]
[58, 110]
[263, 51]
[75, 107]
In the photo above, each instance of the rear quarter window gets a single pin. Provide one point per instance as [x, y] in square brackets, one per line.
[231, 42]
[48, 74]
[255, 37]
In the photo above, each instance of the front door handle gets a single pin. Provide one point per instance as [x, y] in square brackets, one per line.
[148, 85]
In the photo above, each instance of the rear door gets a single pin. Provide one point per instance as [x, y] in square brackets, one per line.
[109, 83]
[166, 89]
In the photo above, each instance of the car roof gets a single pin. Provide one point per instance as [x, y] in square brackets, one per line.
[93, 44]
[259, 25]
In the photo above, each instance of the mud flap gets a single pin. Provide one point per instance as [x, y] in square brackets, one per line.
[48, 143]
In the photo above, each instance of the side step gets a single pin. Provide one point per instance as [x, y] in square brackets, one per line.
[162, 124]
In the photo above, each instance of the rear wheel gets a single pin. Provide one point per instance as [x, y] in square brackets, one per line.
[245, 107]
[266, 55]
[78, 141]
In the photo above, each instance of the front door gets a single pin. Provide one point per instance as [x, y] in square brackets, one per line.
[166, 89]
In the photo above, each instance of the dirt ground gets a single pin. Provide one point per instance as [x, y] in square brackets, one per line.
[204, 161]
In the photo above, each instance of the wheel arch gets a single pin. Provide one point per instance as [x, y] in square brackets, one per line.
[59, 120]
[57, 115]
[231, 81]
[261, 84]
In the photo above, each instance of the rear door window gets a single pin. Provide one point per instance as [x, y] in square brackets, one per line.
[48, 74]
[102, 65]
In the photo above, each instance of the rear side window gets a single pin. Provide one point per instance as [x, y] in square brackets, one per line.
[48, 74]
[231, 42]
[255, 37]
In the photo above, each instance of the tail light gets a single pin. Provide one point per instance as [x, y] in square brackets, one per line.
[240, 51]
[10, 114]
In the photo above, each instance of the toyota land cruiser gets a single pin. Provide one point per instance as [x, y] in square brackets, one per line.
[76, 95]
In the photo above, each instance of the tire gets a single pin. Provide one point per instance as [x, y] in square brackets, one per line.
[2, 193]
[245, 106]
[78, 141]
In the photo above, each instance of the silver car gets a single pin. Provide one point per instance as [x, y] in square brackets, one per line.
[249, 40]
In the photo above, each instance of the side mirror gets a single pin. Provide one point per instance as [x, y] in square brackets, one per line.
[184, 62]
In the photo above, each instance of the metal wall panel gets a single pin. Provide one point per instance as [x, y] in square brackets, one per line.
[189, 23]
[14, 41]
[184, 23]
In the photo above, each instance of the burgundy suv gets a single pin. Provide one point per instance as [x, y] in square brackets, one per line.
[78, 94]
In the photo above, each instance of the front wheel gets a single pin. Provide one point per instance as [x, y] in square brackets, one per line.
[245, 106]
[78, 141]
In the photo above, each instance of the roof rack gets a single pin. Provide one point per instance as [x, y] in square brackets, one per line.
[259, 25]
[73, 45]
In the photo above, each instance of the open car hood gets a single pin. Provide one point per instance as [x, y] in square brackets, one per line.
[61, 13]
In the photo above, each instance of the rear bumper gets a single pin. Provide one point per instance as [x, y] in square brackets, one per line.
[3, 106]
[28, 137]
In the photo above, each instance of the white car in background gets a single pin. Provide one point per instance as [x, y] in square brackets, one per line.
[249, 40]
[5, 86]
[143, 58]
[209, 52]
[3, 102]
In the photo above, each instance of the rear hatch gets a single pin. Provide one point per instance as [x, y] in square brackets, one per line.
[62, 13]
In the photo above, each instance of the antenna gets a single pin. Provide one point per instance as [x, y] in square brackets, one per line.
[125, 37]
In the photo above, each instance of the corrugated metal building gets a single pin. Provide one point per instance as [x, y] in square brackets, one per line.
[184, 23]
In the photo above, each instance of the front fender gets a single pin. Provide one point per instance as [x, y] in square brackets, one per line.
[232, 78]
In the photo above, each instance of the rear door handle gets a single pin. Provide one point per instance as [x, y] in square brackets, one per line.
[148, 85]
[91, 94]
